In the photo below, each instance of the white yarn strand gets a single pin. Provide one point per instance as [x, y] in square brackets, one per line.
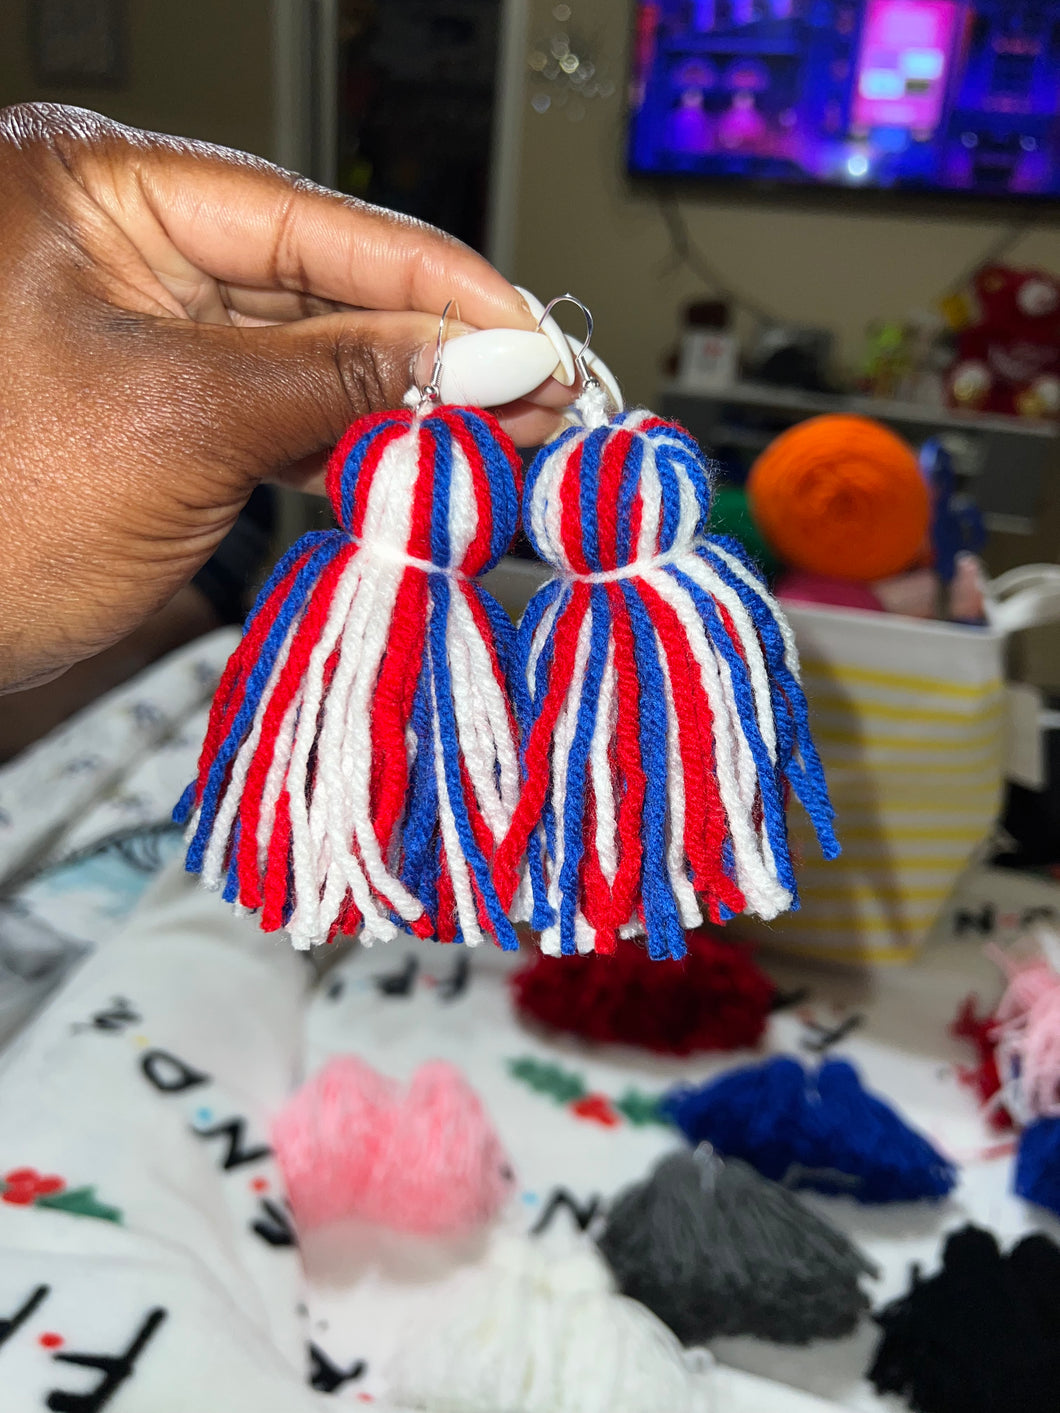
[787, 634]
[711, 582]
[214, 860]
[277, 775]
[305, 926]
[600, 768]
[562, 740]
[463, 893]
[483, 720]
[732, 758]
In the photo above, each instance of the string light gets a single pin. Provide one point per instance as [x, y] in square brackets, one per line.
[565, 73]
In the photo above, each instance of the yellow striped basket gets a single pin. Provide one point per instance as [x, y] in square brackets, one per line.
[909, 718]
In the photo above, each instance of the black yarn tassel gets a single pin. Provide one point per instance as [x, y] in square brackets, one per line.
[981, 1336]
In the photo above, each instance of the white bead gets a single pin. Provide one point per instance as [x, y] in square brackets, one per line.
[494, 366]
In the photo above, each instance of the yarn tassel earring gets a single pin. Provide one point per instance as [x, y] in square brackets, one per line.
[663, 715]
[361, 761]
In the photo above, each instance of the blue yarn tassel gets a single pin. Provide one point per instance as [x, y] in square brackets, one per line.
[868, 1139]
[820, 1130]
[760, 1113]
[1037, 1175]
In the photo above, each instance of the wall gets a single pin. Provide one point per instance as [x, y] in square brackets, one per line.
[582, 226]
[200, 68]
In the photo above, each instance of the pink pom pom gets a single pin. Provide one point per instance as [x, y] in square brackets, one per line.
[1028, 1037]
[426, 1159]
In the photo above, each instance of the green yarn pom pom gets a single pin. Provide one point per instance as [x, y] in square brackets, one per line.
[730, 514]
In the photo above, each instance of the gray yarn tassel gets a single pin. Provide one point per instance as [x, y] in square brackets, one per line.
[713, 1248]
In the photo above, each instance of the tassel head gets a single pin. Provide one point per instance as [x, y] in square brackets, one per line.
[603, 499]
[442, 488]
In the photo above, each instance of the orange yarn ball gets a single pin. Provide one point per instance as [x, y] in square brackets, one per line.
[842, 496]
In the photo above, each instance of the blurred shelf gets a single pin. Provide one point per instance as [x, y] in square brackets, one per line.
[1007, 458]
[765, 395]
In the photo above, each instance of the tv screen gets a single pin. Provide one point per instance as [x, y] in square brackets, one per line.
[928, 95]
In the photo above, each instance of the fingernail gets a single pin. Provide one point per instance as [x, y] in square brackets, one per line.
[564, 373]
[494, 366]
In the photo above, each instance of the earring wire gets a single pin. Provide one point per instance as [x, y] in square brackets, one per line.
[589, 379]
[430, 392]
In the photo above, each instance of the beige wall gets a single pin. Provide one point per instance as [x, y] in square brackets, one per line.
[200, 68]
[582, 227]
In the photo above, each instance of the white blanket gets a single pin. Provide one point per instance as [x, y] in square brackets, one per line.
[145, 1263]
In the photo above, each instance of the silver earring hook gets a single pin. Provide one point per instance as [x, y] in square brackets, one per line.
[589, 380]
[430, 392]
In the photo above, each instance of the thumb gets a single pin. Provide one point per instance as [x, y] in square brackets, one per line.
[291, 390]
[294, 388]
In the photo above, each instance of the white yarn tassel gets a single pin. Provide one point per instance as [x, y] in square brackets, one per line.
[537, 1336]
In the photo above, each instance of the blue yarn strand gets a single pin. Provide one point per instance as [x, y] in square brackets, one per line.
[662, 921]
[325, 551]
[1037, 1174]
[667, 466]
[806, 778]
[531, 698]
[446, 713]
[629, 488]
[351, 467]
[419, 835]
[504, 494]
[574, 800]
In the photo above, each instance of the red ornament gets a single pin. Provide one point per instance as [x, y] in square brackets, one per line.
[1009, 360]
[716, 998]
[596, 1107]
[24, 1185]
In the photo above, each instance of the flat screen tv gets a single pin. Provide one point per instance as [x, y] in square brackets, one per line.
[907, 95]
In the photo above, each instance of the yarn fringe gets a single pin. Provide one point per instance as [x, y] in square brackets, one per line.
[360, 765]
[984, 1078]
[1026, 1031]
[980, 1336]
[664, 720]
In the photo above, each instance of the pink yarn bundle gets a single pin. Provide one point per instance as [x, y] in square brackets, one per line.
[422, 1159]
[1027, 1030]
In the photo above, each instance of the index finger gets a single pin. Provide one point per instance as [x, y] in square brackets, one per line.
[243, 221]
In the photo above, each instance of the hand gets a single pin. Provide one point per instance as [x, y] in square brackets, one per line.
[178, 322]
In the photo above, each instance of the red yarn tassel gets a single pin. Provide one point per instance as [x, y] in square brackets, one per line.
[715, 998]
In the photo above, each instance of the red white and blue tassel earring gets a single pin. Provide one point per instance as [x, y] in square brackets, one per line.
[658, 686]
[360, 766]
